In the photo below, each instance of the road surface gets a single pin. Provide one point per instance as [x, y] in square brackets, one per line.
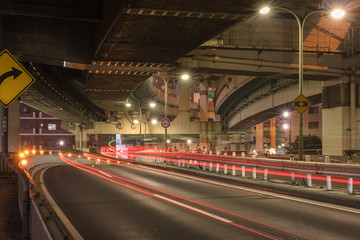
[126, 201]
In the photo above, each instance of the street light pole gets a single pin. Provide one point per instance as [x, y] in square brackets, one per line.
[290, 148]
[165, 110]
[301, 22]
[140, 118]
[127, 104]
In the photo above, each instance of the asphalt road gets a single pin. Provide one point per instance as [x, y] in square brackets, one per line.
[132, 202]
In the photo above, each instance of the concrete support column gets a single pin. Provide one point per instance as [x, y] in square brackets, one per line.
[76, 131]
[352, 112]
[273, 132]
[81, 137]
[184, 96]
[14, 127]
[339, 116]
[182, 122]
[203, 101]
[259, 137]
[334, 130]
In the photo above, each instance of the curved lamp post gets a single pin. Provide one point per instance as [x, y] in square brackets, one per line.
[183, 77]
[165, 110]
[337, 13]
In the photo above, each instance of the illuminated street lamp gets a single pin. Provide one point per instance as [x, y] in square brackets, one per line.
[185, 77]
[136, 121]
[288, 126]
[336, 13]
[61, 143]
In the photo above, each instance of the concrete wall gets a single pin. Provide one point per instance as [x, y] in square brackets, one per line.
[334, 142]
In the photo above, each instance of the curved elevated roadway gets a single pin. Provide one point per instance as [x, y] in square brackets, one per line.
[125, 201]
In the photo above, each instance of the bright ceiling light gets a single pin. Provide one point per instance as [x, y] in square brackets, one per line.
[185, 77]
[128, 104]
[286, 114]
[136, 121]
[152, 104]
[264, 10]
[285, 126]
[338, 13]
[154, 121]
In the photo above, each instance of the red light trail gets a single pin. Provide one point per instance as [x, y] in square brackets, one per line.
[112, 178]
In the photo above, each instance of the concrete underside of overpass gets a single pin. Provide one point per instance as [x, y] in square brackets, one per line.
[89, 56]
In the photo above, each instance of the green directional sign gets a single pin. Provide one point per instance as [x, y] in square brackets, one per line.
[211, 94]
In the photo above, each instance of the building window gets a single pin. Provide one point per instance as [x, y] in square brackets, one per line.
[313, 125]
[314, 110]
[51, 126]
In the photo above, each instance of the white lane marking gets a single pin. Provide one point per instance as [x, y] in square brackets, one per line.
[105, 174]
[74, 233]
[194, 209]
[278, 195]
[302, 200]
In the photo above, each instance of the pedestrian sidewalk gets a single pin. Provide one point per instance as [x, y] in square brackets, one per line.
[10, 220]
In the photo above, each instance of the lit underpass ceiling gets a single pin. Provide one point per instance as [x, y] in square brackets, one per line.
[109, 47]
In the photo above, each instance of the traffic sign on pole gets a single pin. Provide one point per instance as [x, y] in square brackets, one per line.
[165, 123]
[14, 79]
[301, 103]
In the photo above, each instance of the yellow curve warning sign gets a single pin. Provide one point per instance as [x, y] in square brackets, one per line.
[14, 79]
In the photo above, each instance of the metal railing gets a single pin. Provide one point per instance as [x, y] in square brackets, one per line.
[301, 170]
[40, 201]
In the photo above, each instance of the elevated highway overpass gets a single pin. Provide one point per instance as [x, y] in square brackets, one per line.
[89, 56]
[86, 83]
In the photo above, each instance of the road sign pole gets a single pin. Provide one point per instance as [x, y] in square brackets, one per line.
[301, 142]
[301, 104]
[165, 110]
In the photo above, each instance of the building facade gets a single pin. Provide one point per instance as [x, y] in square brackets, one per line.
[40, 131]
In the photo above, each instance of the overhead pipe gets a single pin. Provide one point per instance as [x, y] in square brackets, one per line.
[262, 63]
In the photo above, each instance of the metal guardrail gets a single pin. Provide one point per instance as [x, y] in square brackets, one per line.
[37, 197]
[252, 164]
